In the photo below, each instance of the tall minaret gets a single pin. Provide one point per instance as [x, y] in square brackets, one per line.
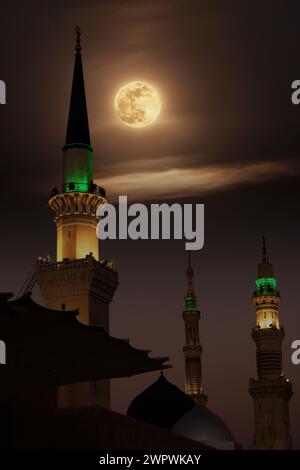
[192, 350]
[78, 279]
[271, 391]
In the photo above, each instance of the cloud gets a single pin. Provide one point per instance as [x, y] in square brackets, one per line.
[185, 182]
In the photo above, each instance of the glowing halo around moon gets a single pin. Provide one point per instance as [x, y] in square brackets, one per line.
[137, 104]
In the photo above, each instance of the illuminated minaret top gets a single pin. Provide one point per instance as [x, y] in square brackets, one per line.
[266, 289]
[192, 349]
[271, 391]
[78, 132]
[76, 200]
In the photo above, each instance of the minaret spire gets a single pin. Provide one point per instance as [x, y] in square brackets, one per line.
[78, 40]
[264, 248]
[271, 391]
[192, 350]
[78, 134]
[265, 267]
[190, 275]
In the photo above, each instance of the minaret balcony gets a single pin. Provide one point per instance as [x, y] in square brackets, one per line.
[78, 188]
[75, 199]
[278, 387]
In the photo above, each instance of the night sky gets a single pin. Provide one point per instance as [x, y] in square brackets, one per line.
[228, 136]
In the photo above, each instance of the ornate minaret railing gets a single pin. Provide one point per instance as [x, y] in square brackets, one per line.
[192, 349]
[271, 391]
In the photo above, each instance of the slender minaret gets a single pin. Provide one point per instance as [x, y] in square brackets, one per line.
[192, 350]
[271, 391]
[78, 279]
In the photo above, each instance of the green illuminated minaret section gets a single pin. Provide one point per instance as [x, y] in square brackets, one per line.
[192, 350]
[271, 391]
[266, 297]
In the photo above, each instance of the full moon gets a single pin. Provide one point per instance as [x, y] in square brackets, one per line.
[137, 104]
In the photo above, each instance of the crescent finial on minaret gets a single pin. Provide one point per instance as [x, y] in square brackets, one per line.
[78, 40]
